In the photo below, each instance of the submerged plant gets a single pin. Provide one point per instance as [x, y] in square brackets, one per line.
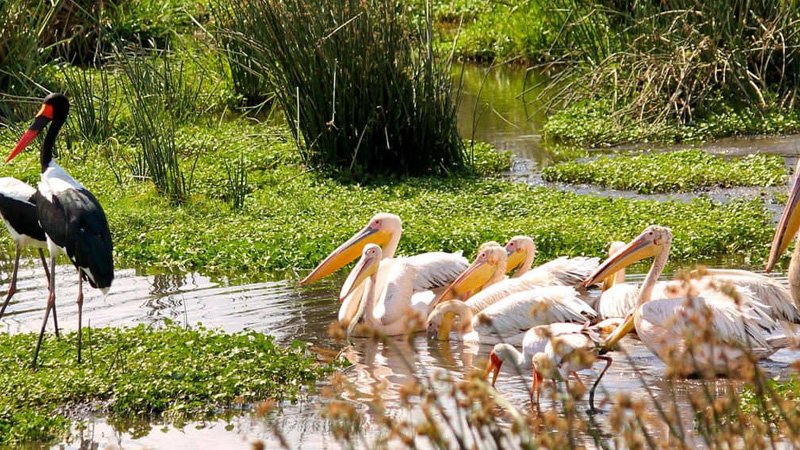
[363, 92]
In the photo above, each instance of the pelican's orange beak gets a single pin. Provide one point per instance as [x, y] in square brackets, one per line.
[493, 367]
[787, 225]
[347, 252]
[366, 267]
[627, 326]
[43, 117]
[640, 248]
[515, 259]
[469, 282]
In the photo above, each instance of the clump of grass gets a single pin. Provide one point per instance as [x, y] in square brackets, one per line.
[93, 112]
[248, 81]
[675, 171]
[22, 26]
[174, 373]
[655, 73]
[163, 97]
[237, 182]
[364, 94]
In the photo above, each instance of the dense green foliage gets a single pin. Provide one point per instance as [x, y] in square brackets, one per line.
[173, 372]
[363, 92]
[674, 171]
[592, 123]
[454, 213]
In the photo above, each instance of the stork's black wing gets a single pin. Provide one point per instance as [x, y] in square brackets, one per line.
[75, 221]
[21, 215]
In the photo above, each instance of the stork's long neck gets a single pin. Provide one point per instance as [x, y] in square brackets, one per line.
[651, 279]
[46, 154]
[391, 247]
[794, 273]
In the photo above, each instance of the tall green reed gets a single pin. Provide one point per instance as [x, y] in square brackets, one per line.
[363, 91]
[160, 97]
[671, 61]
[23, 24]
[93, 111]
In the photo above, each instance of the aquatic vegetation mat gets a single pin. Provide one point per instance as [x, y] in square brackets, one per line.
[290, 217]
[175, 373]
[593, 123]
[672, 171]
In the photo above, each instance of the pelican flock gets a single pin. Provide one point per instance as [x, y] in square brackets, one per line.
[544, 320]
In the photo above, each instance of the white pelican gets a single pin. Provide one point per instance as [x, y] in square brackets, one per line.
[670, 327]
[509, 319]
[554, 351]
[397, 291]
[619, 298]
[434, 270]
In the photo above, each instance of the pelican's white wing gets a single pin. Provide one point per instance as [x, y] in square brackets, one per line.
[405, 277]
[766, 290]
[563, 271]
[740, 325]
[559, 272]
[527, 309]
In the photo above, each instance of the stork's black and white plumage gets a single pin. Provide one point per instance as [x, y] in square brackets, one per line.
[18, 211]
[71, 217]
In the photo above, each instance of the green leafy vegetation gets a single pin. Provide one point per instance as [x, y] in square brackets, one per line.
[674, 171]
[175, 373]
[594, 124]
[294, 217]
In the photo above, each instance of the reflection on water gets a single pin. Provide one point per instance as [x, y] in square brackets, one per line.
[287, 312]
[493, 110]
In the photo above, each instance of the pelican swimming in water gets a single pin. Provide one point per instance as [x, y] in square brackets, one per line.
[509, 319]
[554, 351]
[433, 271]
[562, 271]
[397, 294]
[736, 328]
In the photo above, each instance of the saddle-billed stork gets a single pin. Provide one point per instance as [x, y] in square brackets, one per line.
[18, 211]
[71, 217]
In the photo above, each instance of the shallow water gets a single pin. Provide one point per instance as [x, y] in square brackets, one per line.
[281, 309]
[288, 312]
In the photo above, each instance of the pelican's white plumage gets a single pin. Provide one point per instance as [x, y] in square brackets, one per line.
[509, 319]
[396, 291]
[734, 321]
[561, 271]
